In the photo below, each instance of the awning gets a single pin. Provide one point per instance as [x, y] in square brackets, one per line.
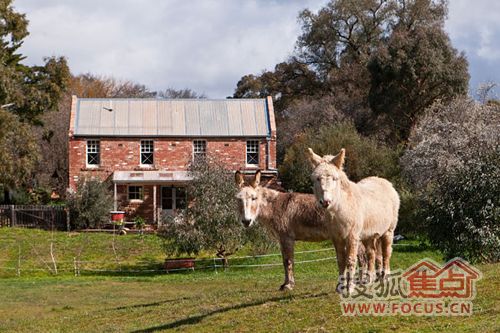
[150, 177]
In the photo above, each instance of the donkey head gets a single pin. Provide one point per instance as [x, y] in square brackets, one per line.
[326, 176]
[248, 198]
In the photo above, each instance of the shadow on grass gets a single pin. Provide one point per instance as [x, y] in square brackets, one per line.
[147, 305]
[198, 318]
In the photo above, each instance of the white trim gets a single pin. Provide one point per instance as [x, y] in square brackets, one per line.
[135, 200]
[193, 150]
[258, 153]
[92, 166]
[148, 152]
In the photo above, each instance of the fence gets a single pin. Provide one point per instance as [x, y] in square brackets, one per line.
[34, 216]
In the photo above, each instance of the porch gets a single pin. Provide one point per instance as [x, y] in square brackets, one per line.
[149, 194]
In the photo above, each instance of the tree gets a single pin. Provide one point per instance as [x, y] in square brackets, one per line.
[367, 55]
[89, 206]
[289, 81]
[447, 136]
[94, 86]
[211, 221]
[412, 71]
[364, 157]
[18, 150]
[26, 92]
[462, 210]
[181, 93]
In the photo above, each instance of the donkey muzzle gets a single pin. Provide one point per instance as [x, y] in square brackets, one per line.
[325, 203]
[246, 222]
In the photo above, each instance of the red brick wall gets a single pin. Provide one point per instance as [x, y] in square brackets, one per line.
[170, 154]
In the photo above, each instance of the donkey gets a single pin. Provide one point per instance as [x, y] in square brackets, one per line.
[288, 216]
[365, 212]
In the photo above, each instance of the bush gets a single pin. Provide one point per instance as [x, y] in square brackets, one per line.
[210, 222]
[462, 210]
[364, 157]
[448, 135]
[90, 205]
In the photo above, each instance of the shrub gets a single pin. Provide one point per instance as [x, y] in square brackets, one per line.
[447, 136]
[364, 157]
[90, 205]
[210, 222]
[462, 209]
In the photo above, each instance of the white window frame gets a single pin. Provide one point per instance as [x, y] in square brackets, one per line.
[196, 151]
[148, 148]
[140, 192]
[252, 144]
[93, 147]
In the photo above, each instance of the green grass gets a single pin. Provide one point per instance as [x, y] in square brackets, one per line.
[235, 300]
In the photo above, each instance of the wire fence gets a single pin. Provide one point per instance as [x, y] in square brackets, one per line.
[39, 264]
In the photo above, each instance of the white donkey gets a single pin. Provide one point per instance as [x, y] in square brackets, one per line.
[365, 212]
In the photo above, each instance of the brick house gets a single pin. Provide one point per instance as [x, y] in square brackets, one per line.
[144, 146]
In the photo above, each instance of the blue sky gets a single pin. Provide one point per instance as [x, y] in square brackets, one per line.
[207, 45]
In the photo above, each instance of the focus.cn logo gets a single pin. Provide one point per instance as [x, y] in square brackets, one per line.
[424, 289]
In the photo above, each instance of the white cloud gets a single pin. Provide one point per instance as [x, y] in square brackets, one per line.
[474, 28]
[207, 45]
[204, 45]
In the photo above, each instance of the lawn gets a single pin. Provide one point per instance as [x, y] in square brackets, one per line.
[235, 300]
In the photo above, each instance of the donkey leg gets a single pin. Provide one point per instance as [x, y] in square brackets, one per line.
[340, 252]
[363, 264]
[386, 240]
[352, 255]
[378, 257]
[370, 253]
[287, 246]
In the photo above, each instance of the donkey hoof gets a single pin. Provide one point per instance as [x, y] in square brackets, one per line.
[285, 287]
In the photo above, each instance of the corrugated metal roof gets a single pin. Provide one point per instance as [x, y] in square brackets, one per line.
[171, 117]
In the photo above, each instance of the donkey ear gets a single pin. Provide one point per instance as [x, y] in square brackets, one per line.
[339, 159]
[313, 157]
[238, 179]
[256, 179]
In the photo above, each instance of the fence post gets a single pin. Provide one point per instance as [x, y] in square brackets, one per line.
[12, 216]
[66, 210]
[18, 270]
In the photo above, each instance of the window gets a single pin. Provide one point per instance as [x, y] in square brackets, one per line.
[253, 152]
[173, 197]
[199, 150]
[135, 193]
[180, 198]
[93, 152]
[147, 151]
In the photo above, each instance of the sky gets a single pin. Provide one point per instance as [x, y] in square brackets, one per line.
[208, 45]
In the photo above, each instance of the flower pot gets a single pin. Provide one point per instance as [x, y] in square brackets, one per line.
[117, 216]
[179, 263]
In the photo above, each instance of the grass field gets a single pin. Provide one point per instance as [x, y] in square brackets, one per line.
[235, 300]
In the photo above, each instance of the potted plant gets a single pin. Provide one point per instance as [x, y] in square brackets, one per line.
[140, 223]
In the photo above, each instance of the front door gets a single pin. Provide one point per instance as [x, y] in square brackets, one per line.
[173, 198]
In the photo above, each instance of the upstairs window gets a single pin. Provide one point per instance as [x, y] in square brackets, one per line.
[135, 193]
[147, 152]
[199, 150]
[93, 153]
[253, 152]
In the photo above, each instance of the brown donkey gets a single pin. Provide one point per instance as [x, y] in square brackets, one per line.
[288, 216]
[366, 212]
